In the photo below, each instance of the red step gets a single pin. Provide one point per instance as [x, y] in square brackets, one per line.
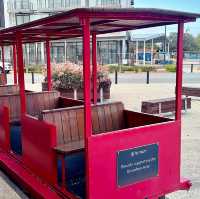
[28, 181]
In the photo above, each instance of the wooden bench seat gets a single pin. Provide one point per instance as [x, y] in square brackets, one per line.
[164, 105]
[9, 89]
[71, 147]
[191, 91]
[69, 122]
[36, 102]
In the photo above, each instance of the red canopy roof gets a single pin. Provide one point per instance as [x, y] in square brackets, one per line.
[68, 24]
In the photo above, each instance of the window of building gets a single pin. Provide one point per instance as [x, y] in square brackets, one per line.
[103, 3]
[22, 4]
[53, 4]
[41, 4]
[20, 19]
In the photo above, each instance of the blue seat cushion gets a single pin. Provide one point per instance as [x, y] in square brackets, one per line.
[75, 173]
[15, 137]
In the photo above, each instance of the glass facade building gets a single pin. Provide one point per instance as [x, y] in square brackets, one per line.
[2, 18]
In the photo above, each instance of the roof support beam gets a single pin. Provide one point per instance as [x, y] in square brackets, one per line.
[48, 57]
[179, 71]
[20, 66]
[3, 65]
[87, 98]
[15, 64]
[94, 66]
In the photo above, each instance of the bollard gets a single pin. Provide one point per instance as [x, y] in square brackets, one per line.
[5, 75]
[101, 95]
[116, 77]
[192, 67]
[147, 77]
[33, 79]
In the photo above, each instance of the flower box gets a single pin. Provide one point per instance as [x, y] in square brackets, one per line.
[68, 78]
[70, 92]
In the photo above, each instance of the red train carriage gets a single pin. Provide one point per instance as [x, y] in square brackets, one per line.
[94, 150]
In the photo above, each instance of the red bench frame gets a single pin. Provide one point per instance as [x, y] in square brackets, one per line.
[89, 22]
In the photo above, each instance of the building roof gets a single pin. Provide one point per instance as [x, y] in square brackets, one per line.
[68, 24]
[145, 37]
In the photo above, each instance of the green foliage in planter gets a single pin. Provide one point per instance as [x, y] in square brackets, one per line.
[67, 80]
[70, 76]
[170, 68]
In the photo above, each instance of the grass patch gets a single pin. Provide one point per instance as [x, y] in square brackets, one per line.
[170, 68]
[136, 69]
[34, 68]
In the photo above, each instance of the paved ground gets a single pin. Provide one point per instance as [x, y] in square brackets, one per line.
[160, 77]
[132, 95]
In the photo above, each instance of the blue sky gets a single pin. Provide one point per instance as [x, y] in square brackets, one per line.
[181, 5]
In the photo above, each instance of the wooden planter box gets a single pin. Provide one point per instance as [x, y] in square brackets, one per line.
[1, 79]
[69, 93]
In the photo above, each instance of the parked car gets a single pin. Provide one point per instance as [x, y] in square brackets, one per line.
[8, 67]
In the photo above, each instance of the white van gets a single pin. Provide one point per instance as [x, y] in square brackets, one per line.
[8, 67]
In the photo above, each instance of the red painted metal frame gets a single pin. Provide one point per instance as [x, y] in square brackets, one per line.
[87, 91]
[38, 153]
[48, 57]
[151, 17]
[3, 64]
[94, 69]
[15, 63]
[179, 72]
[103, 161]
[4, 129]
[20, 64]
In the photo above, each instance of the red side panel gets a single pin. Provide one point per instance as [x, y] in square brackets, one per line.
[26, 180]
[4, 129]
[38, 140]
[103, 162]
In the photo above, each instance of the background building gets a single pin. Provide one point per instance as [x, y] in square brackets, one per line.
[112, 48]
[2, 18]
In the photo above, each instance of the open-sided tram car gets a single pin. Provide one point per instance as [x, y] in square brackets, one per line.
[100, 150]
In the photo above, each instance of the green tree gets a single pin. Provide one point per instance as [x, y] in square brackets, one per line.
[198, 41]
[189, 43]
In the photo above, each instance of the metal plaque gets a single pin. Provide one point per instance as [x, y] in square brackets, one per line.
[137, 164]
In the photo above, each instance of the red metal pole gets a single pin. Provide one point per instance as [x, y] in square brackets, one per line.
[87, 92]
[14, 64]
[94, 64]
[179, 70]
[20, 66]
[48, 57]
[3, 64]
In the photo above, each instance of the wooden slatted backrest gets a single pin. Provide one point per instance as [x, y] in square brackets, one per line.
[69, 122]
[36, 102]
[13, 103]
[9, 89]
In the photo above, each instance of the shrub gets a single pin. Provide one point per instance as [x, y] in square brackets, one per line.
[170, 68]
[70, 76]
[147, 68]
[35, 68]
